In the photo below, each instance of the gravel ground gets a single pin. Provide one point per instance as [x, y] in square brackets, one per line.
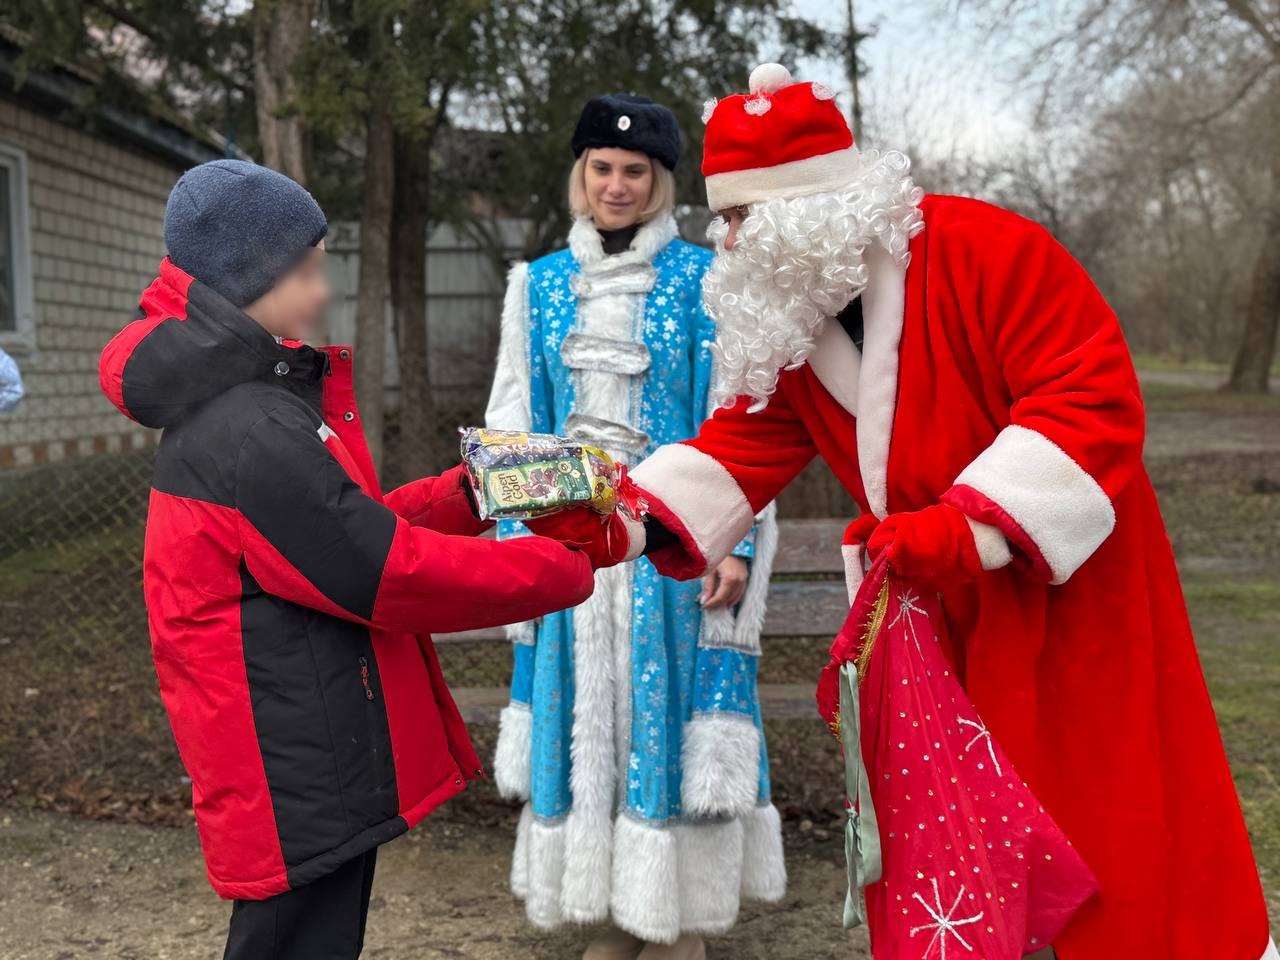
[74, 888]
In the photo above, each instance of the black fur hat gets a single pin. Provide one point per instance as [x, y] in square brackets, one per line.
[631, 122]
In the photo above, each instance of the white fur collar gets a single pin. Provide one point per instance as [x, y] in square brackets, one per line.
[650, 239]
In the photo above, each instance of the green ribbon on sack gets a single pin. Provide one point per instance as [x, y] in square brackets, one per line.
[861, 831]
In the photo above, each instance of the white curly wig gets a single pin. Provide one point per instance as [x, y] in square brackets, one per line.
[796, 262]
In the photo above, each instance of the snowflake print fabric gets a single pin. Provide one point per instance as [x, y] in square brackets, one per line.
[972, 865]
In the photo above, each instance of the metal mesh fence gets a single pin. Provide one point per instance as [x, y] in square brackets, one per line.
[81, 726]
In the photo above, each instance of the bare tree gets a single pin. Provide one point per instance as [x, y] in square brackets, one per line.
[1179, 101]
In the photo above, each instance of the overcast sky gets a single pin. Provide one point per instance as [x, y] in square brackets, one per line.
[934, 83]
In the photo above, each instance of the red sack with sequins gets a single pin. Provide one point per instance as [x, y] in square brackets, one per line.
[969, 863]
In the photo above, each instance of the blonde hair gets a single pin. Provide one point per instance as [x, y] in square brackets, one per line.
[662, 192]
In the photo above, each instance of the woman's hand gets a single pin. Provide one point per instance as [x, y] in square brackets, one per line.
[725, 585]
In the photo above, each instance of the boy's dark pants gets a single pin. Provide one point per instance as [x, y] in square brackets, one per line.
[323, 920]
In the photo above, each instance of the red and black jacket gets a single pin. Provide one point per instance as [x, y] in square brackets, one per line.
[291, 603]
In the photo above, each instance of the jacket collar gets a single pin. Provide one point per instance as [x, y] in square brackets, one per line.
[588, 249]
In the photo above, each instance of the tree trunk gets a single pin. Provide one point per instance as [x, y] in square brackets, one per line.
[409, 277]
[281, 31]
[1251, 371]
[371, 301]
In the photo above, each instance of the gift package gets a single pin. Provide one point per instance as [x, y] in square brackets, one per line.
[519, 475]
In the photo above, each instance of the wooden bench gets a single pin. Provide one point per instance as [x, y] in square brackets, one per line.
[807, 598]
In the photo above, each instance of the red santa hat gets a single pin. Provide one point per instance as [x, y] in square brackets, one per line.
[782, 139]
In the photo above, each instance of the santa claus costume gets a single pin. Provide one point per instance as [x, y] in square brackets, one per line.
[969, 386]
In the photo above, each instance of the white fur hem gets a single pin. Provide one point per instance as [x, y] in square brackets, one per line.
[1271, 953]
[520, 856]
[513, 757]
[646, 890]
[721, 765]
[584, 892]
[544, 872]
[1058, 506]
[993, 548]
[710, 864]
[764, 867]
[703, 496]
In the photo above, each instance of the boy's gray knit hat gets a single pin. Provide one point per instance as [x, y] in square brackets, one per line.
[239, 227]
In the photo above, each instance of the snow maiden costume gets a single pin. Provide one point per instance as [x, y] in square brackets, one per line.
[633, 732]
[971, 389]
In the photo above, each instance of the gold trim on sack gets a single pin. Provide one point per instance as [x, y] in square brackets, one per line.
[872, 631]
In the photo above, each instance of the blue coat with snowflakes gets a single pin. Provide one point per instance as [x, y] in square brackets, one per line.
[631, 707]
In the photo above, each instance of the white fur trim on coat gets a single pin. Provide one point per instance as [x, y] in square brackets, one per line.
[520, 855]
[646, 890]
[749, 621]
[1056, 504]
[866, 383]
[720, 764]
[544, 872]
[588, 849]
[824, 173]
[587, 246]
[1271, 953]
[764, 868]
[702, 495]
[593, 771]
[710, 868]
[513, 756]
[883, 302]
[510, 406]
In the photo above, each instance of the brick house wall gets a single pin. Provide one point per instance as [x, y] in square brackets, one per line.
[95, 208]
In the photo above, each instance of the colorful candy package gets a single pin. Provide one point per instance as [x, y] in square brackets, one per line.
[518, 475]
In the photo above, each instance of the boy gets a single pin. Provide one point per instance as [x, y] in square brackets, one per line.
[290, 602]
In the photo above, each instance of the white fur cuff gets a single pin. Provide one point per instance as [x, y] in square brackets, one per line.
[702, 495]
[721, 765]
[1053, 501]
[513, 757]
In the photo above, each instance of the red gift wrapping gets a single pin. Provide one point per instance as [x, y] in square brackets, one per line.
[972, 865]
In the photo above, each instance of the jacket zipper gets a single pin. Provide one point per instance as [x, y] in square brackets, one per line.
[364, 678]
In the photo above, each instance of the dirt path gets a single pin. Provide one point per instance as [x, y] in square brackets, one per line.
[73, 888]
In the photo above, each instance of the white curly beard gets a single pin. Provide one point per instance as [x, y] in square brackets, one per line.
[795, 263]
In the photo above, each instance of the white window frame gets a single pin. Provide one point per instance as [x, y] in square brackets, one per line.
[22, 339]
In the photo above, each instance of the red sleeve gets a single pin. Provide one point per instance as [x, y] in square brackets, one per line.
[312, 537]
[438, 503]
[708, 490]
[1076, 424]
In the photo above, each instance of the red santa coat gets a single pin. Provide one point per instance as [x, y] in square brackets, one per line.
[994, 377]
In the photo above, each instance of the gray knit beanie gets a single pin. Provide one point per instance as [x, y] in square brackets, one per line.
[239, 227]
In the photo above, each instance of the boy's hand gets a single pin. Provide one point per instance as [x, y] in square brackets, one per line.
[725, 585]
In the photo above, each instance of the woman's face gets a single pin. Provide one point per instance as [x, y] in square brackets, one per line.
[618, 186]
